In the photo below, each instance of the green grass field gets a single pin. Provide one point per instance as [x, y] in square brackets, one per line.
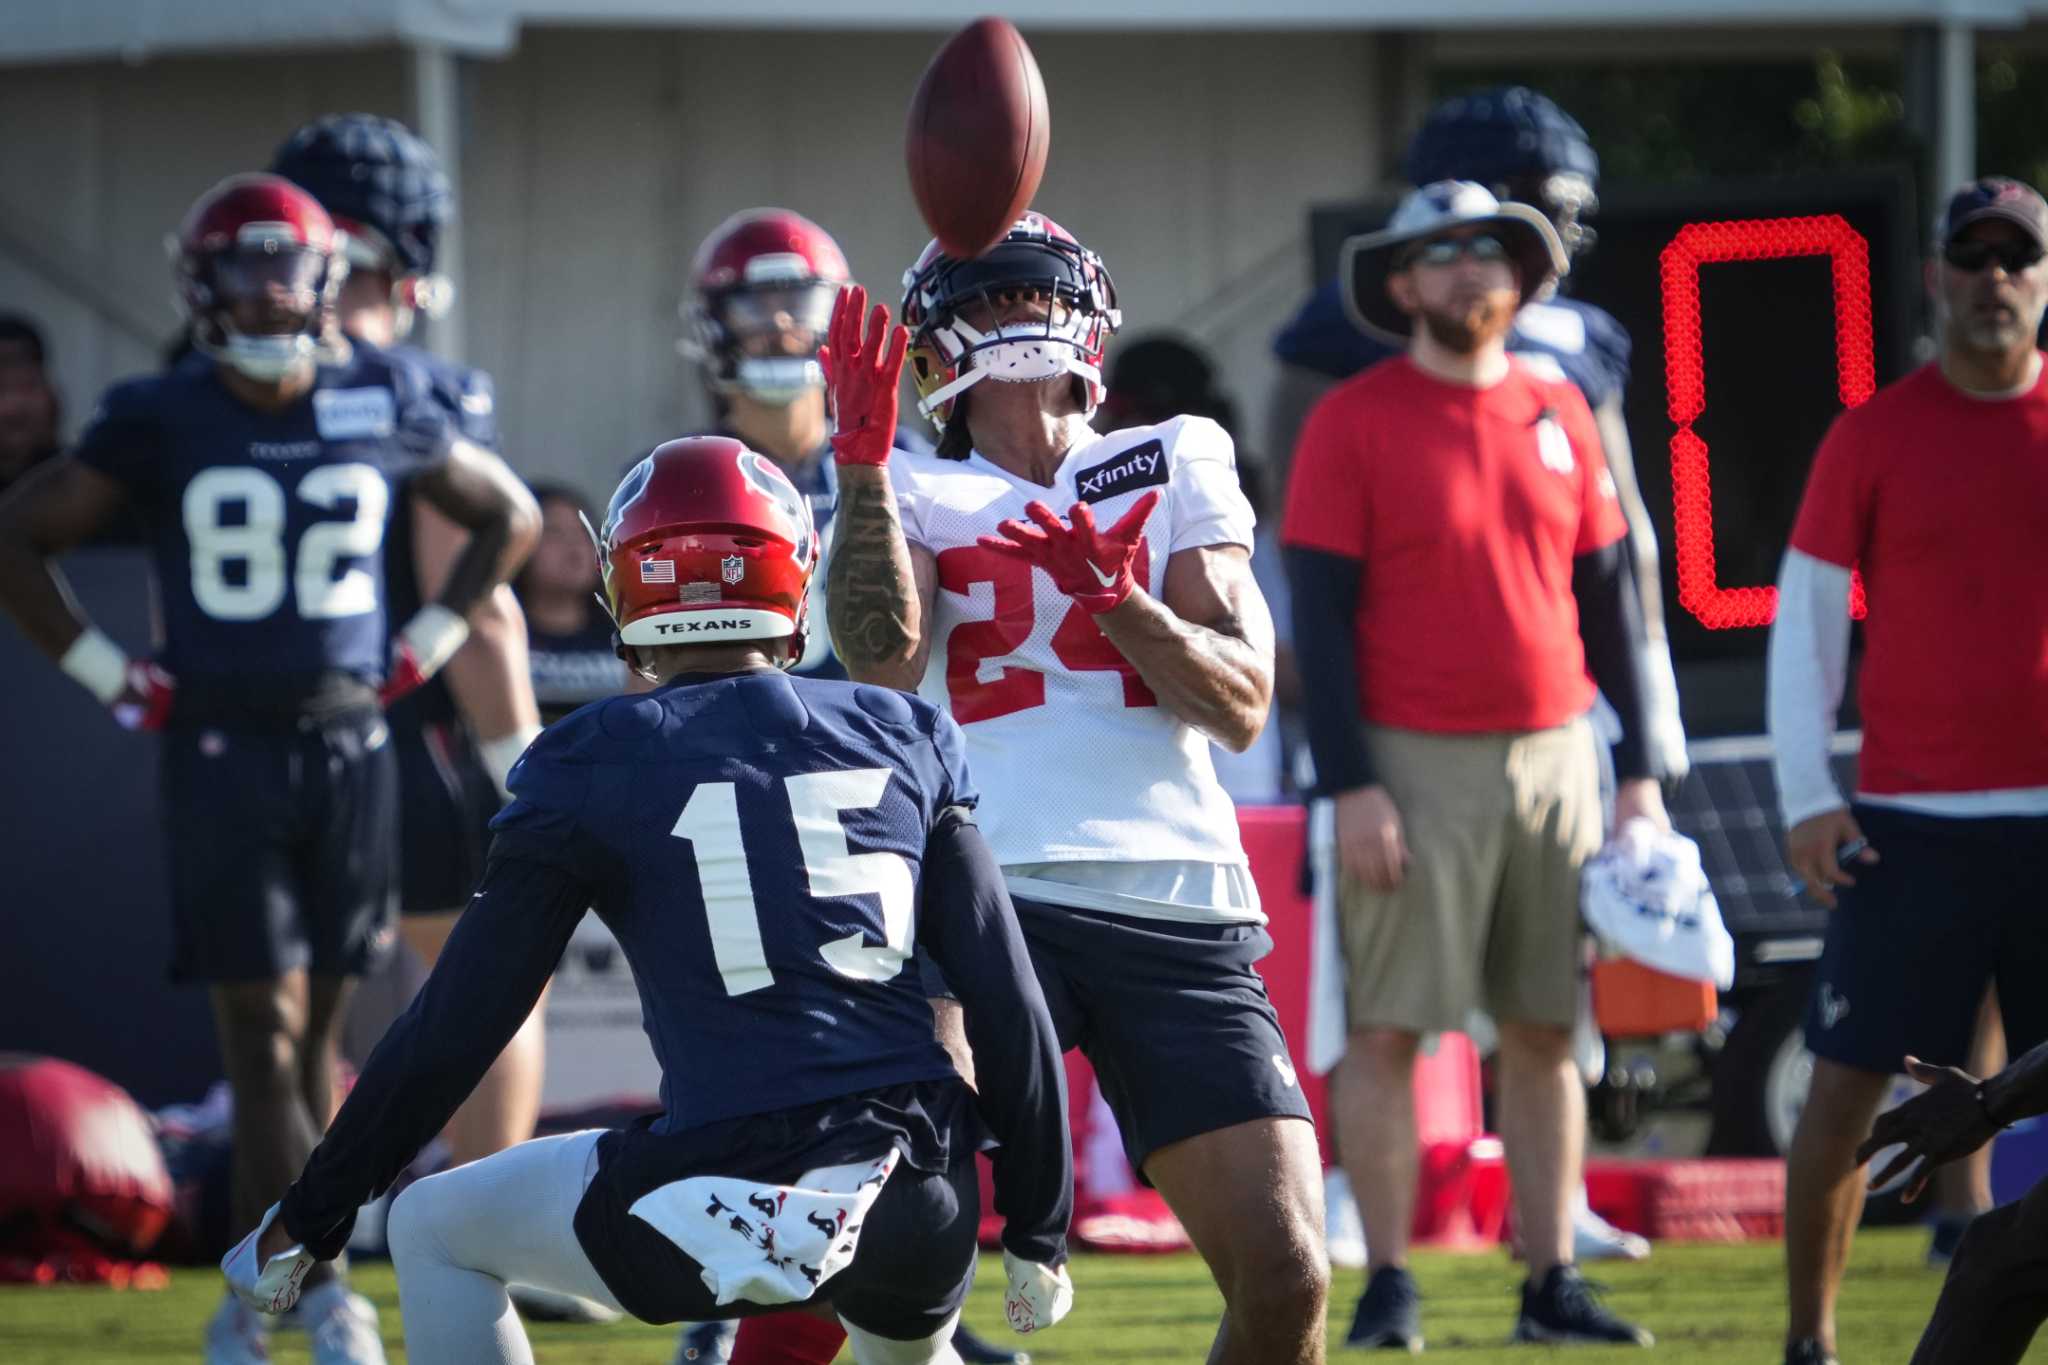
[1706, 1303]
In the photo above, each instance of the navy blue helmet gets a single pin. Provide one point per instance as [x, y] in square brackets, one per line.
[373, 173]
[1518, 144]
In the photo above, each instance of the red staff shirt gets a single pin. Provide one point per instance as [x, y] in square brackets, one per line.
[1941, 500]
[1466, 508]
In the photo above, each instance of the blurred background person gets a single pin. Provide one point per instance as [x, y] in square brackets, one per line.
[569, 637]
[30, 411]
[456, 737]
[1934, 488]
[278, 784]
[1154, 379]
[762, 287]
[1520, 145]
[1457, 562]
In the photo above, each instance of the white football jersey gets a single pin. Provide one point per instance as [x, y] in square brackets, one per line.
[1075, 759]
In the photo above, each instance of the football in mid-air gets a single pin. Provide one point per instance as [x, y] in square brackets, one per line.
[977, 138]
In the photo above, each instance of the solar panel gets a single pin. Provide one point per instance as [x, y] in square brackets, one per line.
[1728, 805]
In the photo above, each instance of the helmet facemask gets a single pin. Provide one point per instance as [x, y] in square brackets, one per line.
[270, 271]
[767, 318]
[959, 338]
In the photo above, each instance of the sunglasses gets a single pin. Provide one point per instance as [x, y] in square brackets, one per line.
[1973, 255]
[1446, 250]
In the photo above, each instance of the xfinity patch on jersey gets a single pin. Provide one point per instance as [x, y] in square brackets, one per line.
[1141, 466]
[354, 414]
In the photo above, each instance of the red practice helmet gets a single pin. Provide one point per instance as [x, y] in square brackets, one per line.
[705, 542]
[250, 236]
[759, 270]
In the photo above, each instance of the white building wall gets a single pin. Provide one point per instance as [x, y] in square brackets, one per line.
[597, 159]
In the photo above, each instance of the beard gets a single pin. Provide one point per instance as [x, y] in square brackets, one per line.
[1471, 323]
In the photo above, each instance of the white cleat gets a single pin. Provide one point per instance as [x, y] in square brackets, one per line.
[236, 1335]
[1344, 1239]
[1596, 1239]
[344, 1329]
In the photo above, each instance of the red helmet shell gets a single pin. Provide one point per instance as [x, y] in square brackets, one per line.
[253, 213]
[772, 252]
[772, 247]
[706, 542]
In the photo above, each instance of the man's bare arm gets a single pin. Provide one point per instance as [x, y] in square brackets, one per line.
[477, 491]
[52, 508]
[879, 589]
[490, 675]
[1205, 646]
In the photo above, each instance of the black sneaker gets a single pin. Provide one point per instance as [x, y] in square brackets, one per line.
[1807, 1351]
[1389, 1315]
[974, 1351]
[1566, 1308]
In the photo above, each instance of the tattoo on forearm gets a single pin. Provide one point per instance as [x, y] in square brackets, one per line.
[873, 602]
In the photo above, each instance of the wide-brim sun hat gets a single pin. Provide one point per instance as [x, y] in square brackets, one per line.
[1366, 261]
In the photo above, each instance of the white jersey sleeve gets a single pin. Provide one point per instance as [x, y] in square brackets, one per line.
[1209, 505]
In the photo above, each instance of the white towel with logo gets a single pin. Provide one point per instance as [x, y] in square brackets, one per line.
[1647, 896]
[768, 1243]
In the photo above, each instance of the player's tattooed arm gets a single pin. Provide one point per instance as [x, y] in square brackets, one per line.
[1205, 647]
[50, 509]
[478, 492]
[878, 588]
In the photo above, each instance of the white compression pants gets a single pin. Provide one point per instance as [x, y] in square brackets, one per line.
[459, 1237]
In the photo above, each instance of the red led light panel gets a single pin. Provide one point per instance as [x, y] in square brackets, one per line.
[1720, 607]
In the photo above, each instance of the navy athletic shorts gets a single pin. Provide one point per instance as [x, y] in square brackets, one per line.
[915, 1261]
[283, 846]
[445, 804]
[1177, 1025]
[1952, 906]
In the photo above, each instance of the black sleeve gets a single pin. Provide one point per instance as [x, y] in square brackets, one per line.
[968, 924]
[1611, 624]
[498, 959]
[1324, 590]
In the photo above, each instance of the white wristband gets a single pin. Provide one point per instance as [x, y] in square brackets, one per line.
[498, 755]
[97, 664]
[433, 635]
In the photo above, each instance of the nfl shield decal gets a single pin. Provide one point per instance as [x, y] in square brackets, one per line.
[732, 568]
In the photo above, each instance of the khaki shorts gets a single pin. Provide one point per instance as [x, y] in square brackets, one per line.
[1498, 826]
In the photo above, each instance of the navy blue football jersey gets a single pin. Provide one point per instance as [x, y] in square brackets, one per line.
[268, 528]
[757, 843]
[1587, 345]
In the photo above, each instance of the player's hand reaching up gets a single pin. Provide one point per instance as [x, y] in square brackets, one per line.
[861, 374]
[1091, 566]
[1039, 1295]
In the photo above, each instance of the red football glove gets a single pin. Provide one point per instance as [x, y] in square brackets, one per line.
[429, 640]
[147, 692]
[1092, 567]
[861, 375]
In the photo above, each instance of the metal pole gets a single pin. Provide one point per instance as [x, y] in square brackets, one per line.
[437, 114]
[1955, 129]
